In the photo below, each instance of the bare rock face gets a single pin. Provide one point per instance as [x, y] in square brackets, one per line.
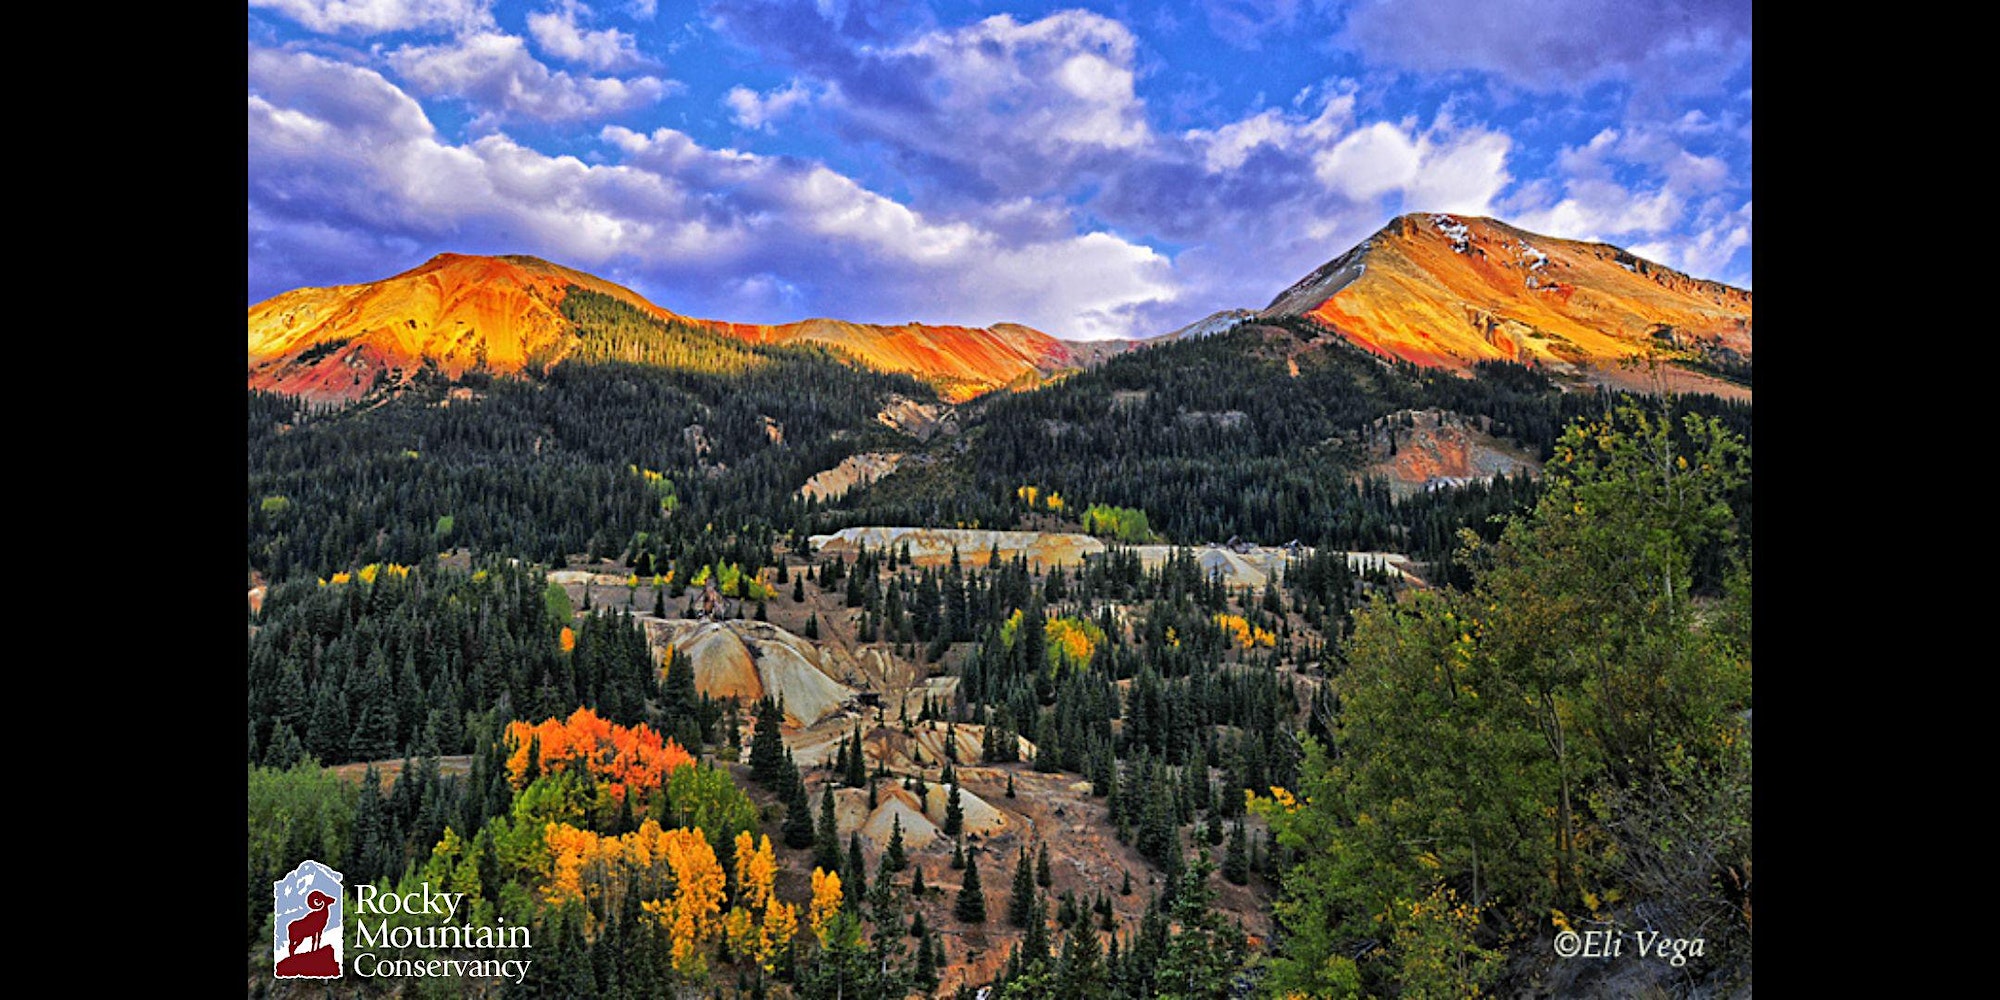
[749, 660]
[934, 546]
[980, 816]
[853, 471]
[922, 421]
[1418, 450]
[894, 803]
[1238, 565]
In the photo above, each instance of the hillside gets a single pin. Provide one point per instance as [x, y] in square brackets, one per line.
[458, 313]
[1451, 291]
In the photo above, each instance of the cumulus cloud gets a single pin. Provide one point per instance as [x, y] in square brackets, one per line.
[1000, 107]
[753, 110]
[1259, 202]
[340, 156]
[561, 33]
[1718, 235]
[1639, 187]
[1682, 45]
[380, 16]
[496, 74]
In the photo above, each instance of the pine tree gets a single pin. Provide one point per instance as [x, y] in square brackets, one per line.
[971, 905]
[1236, 863]
[1043, 877]
[917, 888]
[826, 837]
[798, 829]
[767, 746]
[857, 762]
[892, 856]
[954, 813]
[1022, 902]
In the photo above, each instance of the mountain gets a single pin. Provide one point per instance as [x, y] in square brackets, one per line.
[502, 315]
[961, 362]
[454, 312]
[1451, 291]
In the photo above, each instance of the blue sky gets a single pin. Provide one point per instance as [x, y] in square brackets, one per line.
[1090, 169]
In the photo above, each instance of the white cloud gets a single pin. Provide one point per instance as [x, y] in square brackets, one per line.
[560, 33]
[757, 111]
[1718, 235]
[1369, 162]
[1020, 106]
[1461, 172]
[379, 16]
[339, 156]
[1634, 187]
[1439, 170]
[495, 73]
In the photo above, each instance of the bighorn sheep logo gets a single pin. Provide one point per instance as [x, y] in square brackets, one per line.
[309, 927]
[306, 923]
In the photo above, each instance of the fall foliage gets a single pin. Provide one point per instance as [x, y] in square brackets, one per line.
[1243, 634]
[825, 903]
[623, 757]
[690, 914]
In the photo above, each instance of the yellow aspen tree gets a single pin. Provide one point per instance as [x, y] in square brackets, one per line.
[756, 871]
[781, 924]
[825, 903]
[740, 932]
[690, 916]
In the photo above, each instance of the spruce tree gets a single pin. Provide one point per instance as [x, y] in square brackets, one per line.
[798, 829]
[857, 762]
[971, 905]
[1043, 877]
[826, 837]
[767, 746]
[1022, 902]
[892, 856]
[1236, 862]
[954, 813]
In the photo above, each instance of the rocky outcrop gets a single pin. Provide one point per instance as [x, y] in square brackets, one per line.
[749, 660]
[934, 546]
[853, 471]
[922, 421]
[1418, 450]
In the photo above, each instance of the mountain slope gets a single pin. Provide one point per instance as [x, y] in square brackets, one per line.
[1451, 291]
[456, 313]
[503, 315]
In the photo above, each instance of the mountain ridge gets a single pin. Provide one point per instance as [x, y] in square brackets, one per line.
[1447, 291]
[502, 314]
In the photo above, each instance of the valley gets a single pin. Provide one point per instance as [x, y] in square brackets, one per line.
[1301, 649]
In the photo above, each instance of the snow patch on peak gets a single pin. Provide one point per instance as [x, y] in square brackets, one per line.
[1535, 259]
[1458, 232]
[1221, 322]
